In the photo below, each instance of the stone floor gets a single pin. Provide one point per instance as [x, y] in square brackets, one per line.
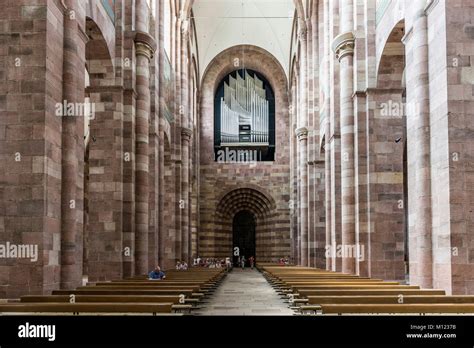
[244, 292]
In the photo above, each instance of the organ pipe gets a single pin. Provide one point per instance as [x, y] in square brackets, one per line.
[244, 104]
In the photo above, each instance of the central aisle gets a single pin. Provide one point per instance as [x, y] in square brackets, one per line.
[245, 292]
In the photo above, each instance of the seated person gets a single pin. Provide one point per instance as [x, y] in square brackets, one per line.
[184, 266]
[178, 265]
[157, 274]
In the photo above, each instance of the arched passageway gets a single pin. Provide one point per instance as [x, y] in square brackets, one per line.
[243, 235]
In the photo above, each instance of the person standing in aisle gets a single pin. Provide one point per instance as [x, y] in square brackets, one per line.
[252, 261]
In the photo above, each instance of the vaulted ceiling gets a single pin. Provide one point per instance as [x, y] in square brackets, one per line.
[221, 24]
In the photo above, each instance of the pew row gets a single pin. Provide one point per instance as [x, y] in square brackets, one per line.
[317, 291]
[180, 292]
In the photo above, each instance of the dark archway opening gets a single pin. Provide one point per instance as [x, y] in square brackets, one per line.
[243, 228]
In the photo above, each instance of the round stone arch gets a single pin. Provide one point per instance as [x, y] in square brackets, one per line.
[257, 59]
[96, 14]
[251, 199]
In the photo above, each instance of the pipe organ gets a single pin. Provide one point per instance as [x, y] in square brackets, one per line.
[244, 111]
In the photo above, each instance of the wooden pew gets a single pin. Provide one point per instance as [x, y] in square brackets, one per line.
[138, 287]
[109, 298]
[433, 308]
[312, 303]
[390, 299]
[203, 287]
[105, 291]
[76, 308]
[153, 284]
[339, 282]
[353, 287]
[333, 280]
[149, 282]
[330, 292]
[179, 304]
[316, 275]
[193, 273]
[134, 295]
[291, 287]
[365, 292]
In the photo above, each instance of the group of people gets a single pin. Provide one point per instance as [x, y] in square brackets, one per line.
[221, 263]
[284, 261]
[241, 261]
[158, 274]
[212, 262]
[181, 266]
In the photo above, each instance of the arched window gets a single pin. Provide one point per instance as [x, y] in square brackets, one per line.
[244, 118]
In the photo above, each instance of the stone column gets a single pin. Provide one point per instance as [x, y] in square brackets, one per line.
[343, 47]
[194, 177]
[334, 136]
[293, 206]
[73, 85]
[161, 120]
[418, 148]
[186, 134]
[176, 141]
[302, 134]
[192, 150]
[325, 113]
[364, 17]
[310, 143]
[144, 49]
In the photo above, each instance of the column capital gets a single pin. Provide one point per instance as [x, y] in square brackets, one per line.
[186, 133]
[302, 133]
[145, 44]
[142, 49]
[343, 45]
